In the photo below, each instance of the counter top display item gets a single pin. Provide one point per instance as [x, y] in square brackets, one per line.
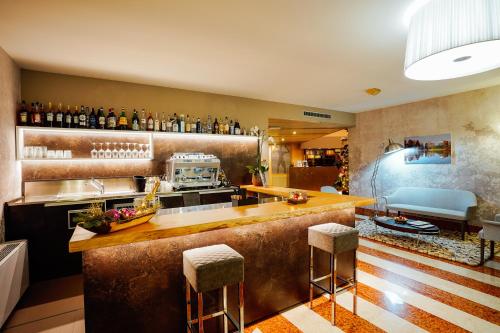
[112, 220]
[297, 197]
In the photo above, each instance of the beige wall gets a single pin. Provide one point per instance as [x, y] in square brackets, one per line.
[472, 118]
[323, 142]
[74, 90]
[10, 186]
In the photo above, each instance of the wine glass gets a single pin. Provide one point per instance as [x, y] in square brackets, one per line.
[107, 153]
[128, 152]
[147, 153]
[114, 153]
[135, 152]
[100, 153]
[93, 152]
[141, 152]
[121, 152]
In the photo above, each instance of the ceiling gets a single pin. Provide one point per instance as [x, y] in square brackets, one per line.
[304, 131]
[318, 53]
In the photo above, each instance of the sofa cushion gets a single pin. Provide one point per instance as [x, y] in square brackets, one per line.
[438, 212]
[448, 199]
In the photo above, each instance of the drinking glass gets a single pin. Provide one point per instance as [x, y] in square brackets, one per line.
[141, 152]
[121, 152]
[107, 153]
[100, 152]
[135, 152]
[93, 152]
[147, 153]
[114, 153]
[128, 152]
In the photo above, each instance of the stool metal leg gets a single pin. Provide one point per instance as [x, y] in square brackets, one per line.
[334, 302]
[355, 289]
[188, 305]
[200, 312]
[311, 275]
[241, 305]
[224, 300]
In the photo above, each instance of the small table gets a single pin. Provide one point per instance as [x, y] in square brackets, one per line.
[390, 223]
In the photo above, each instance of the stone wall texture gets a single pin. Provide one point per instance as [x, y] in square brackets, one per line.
[10, 91]
[472, 118]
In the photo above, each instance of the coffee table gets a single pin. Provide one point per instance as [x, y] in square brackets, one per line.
[390, 223]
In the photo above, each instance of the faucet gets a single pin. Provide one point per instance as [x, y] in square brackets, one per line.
[97, 185]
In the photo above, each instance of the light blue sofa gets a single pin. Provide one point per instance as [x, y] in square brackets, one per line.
[456, 205]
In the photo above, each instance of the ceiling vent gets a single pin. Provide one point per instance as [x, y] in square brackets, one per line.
[317, 115]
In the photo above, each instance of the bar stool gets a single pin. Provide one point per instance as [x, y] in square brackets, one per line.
[209, 268]
[335, 239]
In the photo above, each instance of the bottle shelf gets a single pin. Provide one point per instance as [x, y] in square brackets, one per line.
[85, 159]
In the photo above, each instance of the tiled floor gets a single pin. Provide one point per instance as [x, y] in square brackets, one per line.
[399, 291]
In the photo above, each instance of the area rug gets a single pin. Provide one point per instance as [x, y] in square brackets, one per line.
[447, 245]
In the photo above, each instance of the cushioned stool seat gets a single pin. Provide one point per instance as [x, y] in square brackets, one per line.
[211, 267]
[333, 238]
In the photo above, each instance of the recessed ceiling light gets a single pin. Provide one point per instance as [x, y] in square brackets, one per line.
[373, 91]
[450, 39]
[294, 132]
[282, 139]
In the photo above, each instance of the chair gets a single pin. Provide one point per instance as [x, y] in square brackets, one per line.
[491, 232]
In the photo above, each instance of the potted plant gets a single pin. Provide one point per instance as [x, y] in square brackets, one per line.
[260, 167]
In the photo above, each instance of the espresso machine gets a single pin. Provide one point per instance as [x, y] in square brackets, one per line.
[192, 171]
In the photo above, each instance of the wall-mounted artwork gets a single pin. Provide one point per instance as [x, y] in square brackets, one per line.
[280, 158]
[432, 149]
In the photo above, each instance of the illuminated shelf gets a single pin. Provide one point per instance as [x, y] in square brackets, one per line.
[84, 159]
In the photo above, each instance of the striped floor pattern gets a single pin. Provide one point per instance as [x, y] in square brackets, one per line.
[402, 291]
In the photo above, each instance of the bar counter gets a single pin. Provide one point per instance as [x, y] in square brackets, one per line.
[133, 278]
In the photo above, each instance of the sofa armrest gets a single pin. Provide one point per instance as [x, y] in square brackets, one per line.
[491, 230]
[469, 212]
[497, 217]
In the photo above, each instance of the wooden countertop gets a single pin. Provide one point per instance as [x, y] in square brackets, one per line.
[165, 226]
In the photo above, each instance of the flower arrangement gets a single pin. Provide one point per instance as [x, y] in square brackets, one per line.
[97, 220]
[261, 166]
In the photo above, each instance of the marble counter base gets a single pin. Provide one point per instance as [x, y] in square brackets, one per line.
[138, 287]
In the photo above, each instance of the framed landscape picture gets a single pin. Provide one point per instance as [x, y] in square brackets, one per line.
[432, 149]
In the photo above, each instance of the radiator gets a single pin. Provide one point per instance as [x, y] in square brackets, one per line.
[14, 275]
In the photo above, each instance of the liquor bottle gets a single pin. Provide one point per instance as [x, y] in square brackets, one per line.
[111, 119]
[59, 116]
[193, 125]
[49, 118]
[93, 119]
[188, 124]
[123, 121]
[198, 125]
[144, 121]
[215, 128]
[156, 126]
[43, 115]
[37, 119]
[175, 124]
[76, 118]
[163, 122]
[30, 114]
[237, 129]
[182, 124]
[135, 121]
[209, 124]
[87, 117]
[151, 122]
[226, 126]
[82, 118]
[169, 124]
[22, 118]
[231, 128]
[101, 118]
[68, 118]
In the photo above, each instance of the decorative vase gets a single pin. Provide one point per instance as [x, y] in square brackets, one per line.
[256, 180]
